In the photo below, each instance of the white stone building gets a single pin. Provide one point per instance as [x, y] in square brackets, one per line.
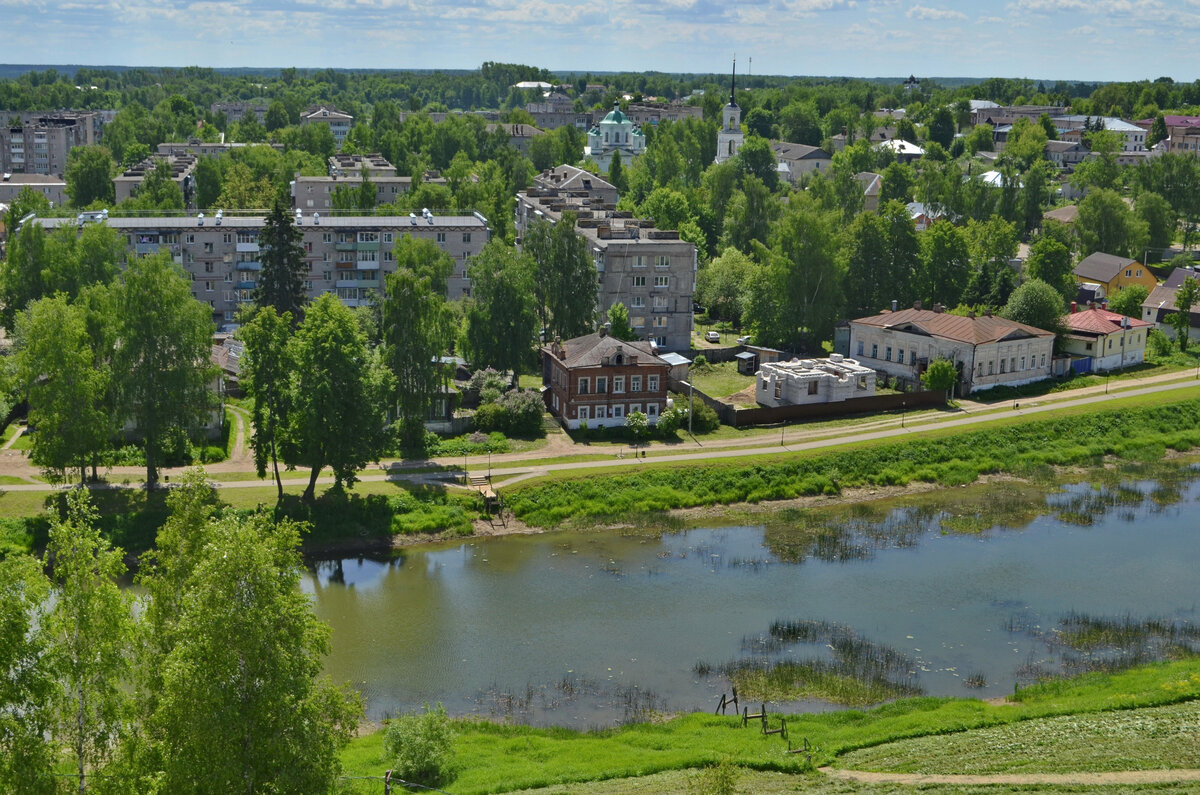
[616, 132]
[988, 351]
[803, 381]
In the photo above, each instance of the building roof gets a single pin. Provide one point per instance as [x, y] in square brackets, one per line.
[1102, 267]
[1063, 146]
[1100, 321]
[674, 359]
[326, 113]
[615, 116]
[594, 350]
[1175, 279]
[515, 130]
[32, 179]
[972, 330]
[789, 151]
[981, 104]
[398, 222]
[572, 178]
[1109, 122]
[871, 182]
[1064, 215]
[902, 147]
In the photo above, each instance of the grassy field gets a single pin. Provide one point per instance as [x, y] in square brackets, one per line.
[720, 380]
[492, 758]
[1140, 428]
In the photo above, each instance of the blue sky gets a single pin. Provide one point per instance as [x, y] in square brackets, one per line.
[1051, 39]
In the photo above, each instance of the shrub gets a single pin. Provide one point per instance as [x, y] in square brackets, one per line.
[491, 417]
[700, 362]
[1160, 344]
[670, 421]
[718, 779]
[487, 378]
[524, 408]
[706, 419]
[420, 747]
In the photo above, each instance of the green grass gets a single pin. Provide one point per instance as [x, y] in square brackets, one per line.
[720, 380]
[495, 758]
[947, 456]
[23, 442]
[1153, 738]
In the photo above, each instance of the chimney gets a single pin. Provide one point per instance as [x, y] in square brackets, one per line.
[603, 330]
[1104, 304]
[916, 304]
[844, 130]
[987, 312]
[971, 313]
[895, 304]
[1074, 307]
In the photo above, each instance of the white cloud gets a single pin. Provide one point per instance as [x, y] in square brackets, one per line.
[926, 12]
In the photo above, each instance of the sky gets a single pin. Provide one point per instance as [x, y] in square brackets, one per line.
[1038, 39]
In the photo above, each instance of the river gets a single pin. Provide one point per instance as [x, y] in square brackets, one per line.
[591, 629]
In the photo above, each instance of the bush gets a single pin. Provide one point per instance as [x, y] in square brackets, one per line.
[670, 421]
[525, 408]
[718, 779]
[491, 417]
[1160, 344]
[420, 747]
[706, 419]
[700, 362]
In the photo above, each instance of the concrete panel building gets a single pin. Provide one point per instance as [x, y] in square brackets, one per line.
[40, 142]
[651, 271]
[53, 188]
[339, 123]
[127, 184]
[348, 256]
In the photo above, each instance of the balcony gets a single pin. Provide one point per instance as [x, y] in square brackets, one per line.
[346, 284]
[365, 265]
[344, 246]
[249, 265]
[372, 246]
[247, 247]
[147, 248]
[245, 285]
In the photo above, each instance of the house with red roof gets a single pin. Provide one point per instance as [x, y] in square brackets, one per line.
[987, 350]
[1107, 340]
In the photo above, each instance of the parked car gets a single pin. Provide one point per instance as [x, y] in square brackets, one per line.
[744, 340]
[712, 336]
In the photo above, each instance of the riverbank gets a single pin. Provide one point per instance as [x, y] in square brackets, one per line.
[494, 758]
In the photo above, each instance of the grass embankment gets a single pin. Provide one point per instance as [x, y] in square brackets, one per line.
[492, 758]
[1138, 428]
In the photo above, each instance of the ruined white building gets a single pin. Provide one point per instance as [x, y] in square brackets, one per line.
[802, 381]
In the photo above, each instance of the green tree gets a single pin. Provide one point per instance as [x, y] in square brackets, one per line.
[1158, 131]
[418, 326]
[26, 201]
[940, 376]
[1185, 298]
[158, 192]
[266, 374]
[67, 387]
[945, 264]
[1036, 304]
[1107, 224]
[1050, 261]
[91, 629]
[501, 320]
[755, 158]
[336, 416]
[1100, 170]
[243, 707]
[27, 758]
[942, 127]
[21, 280]
[281, 281]
[163, 355]
[276, 117]
[618, 321]
[749, 216]
[898, 180]
[980, 139]
[616, 173]
[1159, 217]
[1128, 300]
[89, 175]
[207, 175]
[720, 285]
[564, 277]
[420, 747]
[993, 244]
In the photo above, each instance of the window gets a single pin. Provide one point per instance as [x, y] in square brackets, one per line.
[189, 238]
[327, 237]
[226, 238]
[584, 412]
[1128, 272]
[208, 248]
[208, 267]
[991, 367]
[813, 387]
[660, 303]
[208, 287]
[466, 237]
[635, 383]
[1043, 360]
[638, 302]
[368, 237]
[1139, 273]
[327, 275]
[887, 353]
[860, 347]
[639, 261]
[862, 381]
[633, 407]
[584, 383]
[778, 388]
[874, 351]
[662, 281]
[1022, 362]
[639, 281]
[1003, 362]
[601, 384]
[1012, 364]
[979, 370]
[387, 236]
[618, 412]
[1087, 346]
[651, 410]
[618, 384]
[663, 261]
[637, 321]
[652, 383]
[660, 321]
[441, 237]
[900, 356]
[308, 247]
[308, 284]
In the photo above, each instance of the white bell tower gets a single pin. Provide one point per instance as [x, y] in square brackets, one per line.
[730, 138]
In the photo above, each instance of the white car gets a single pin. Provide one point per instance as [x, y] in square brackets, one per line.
[712, 336]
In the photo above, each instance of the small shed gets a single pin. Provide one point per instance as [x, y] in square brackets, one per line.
[678, 366]
[747, 362]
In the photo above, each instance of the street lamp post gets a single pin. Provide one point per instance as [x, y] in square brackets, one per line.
[903, 404]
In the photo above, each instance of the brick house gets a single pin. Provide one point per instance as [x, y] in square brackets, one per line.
[600, 380]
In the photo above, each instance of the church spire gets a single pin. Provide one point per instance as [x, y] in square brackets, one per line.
[733, 83]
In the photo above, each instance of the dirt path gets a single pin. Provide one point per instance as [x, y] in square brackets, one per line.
[16, 435]
[1131, 777]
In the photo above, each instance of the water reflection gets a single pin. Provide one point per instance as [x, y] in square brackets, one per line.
[594, 628]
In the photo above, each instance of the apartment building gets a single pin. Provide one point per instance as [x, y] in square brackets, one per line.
[181, 166]
[204, 148]
[349, 256]
[39, 143]
[315, 194]
[651, 271]
[53, 188]
[236, 111]
[339, 123]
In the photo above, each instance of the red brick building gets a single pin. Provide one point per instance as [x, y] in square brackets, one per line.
[600, 380]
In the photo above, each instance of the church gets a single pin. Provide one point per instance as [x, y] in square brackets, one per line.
[730, 138]
[615, 133]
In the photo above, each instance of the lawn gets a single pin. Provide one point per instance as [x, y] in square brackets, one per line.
[720, 380]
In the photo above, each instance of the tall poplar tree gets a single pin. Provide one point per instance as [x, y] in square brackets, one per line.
[501, 319]
[267, 373]
[281, 281]
[564, 277]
